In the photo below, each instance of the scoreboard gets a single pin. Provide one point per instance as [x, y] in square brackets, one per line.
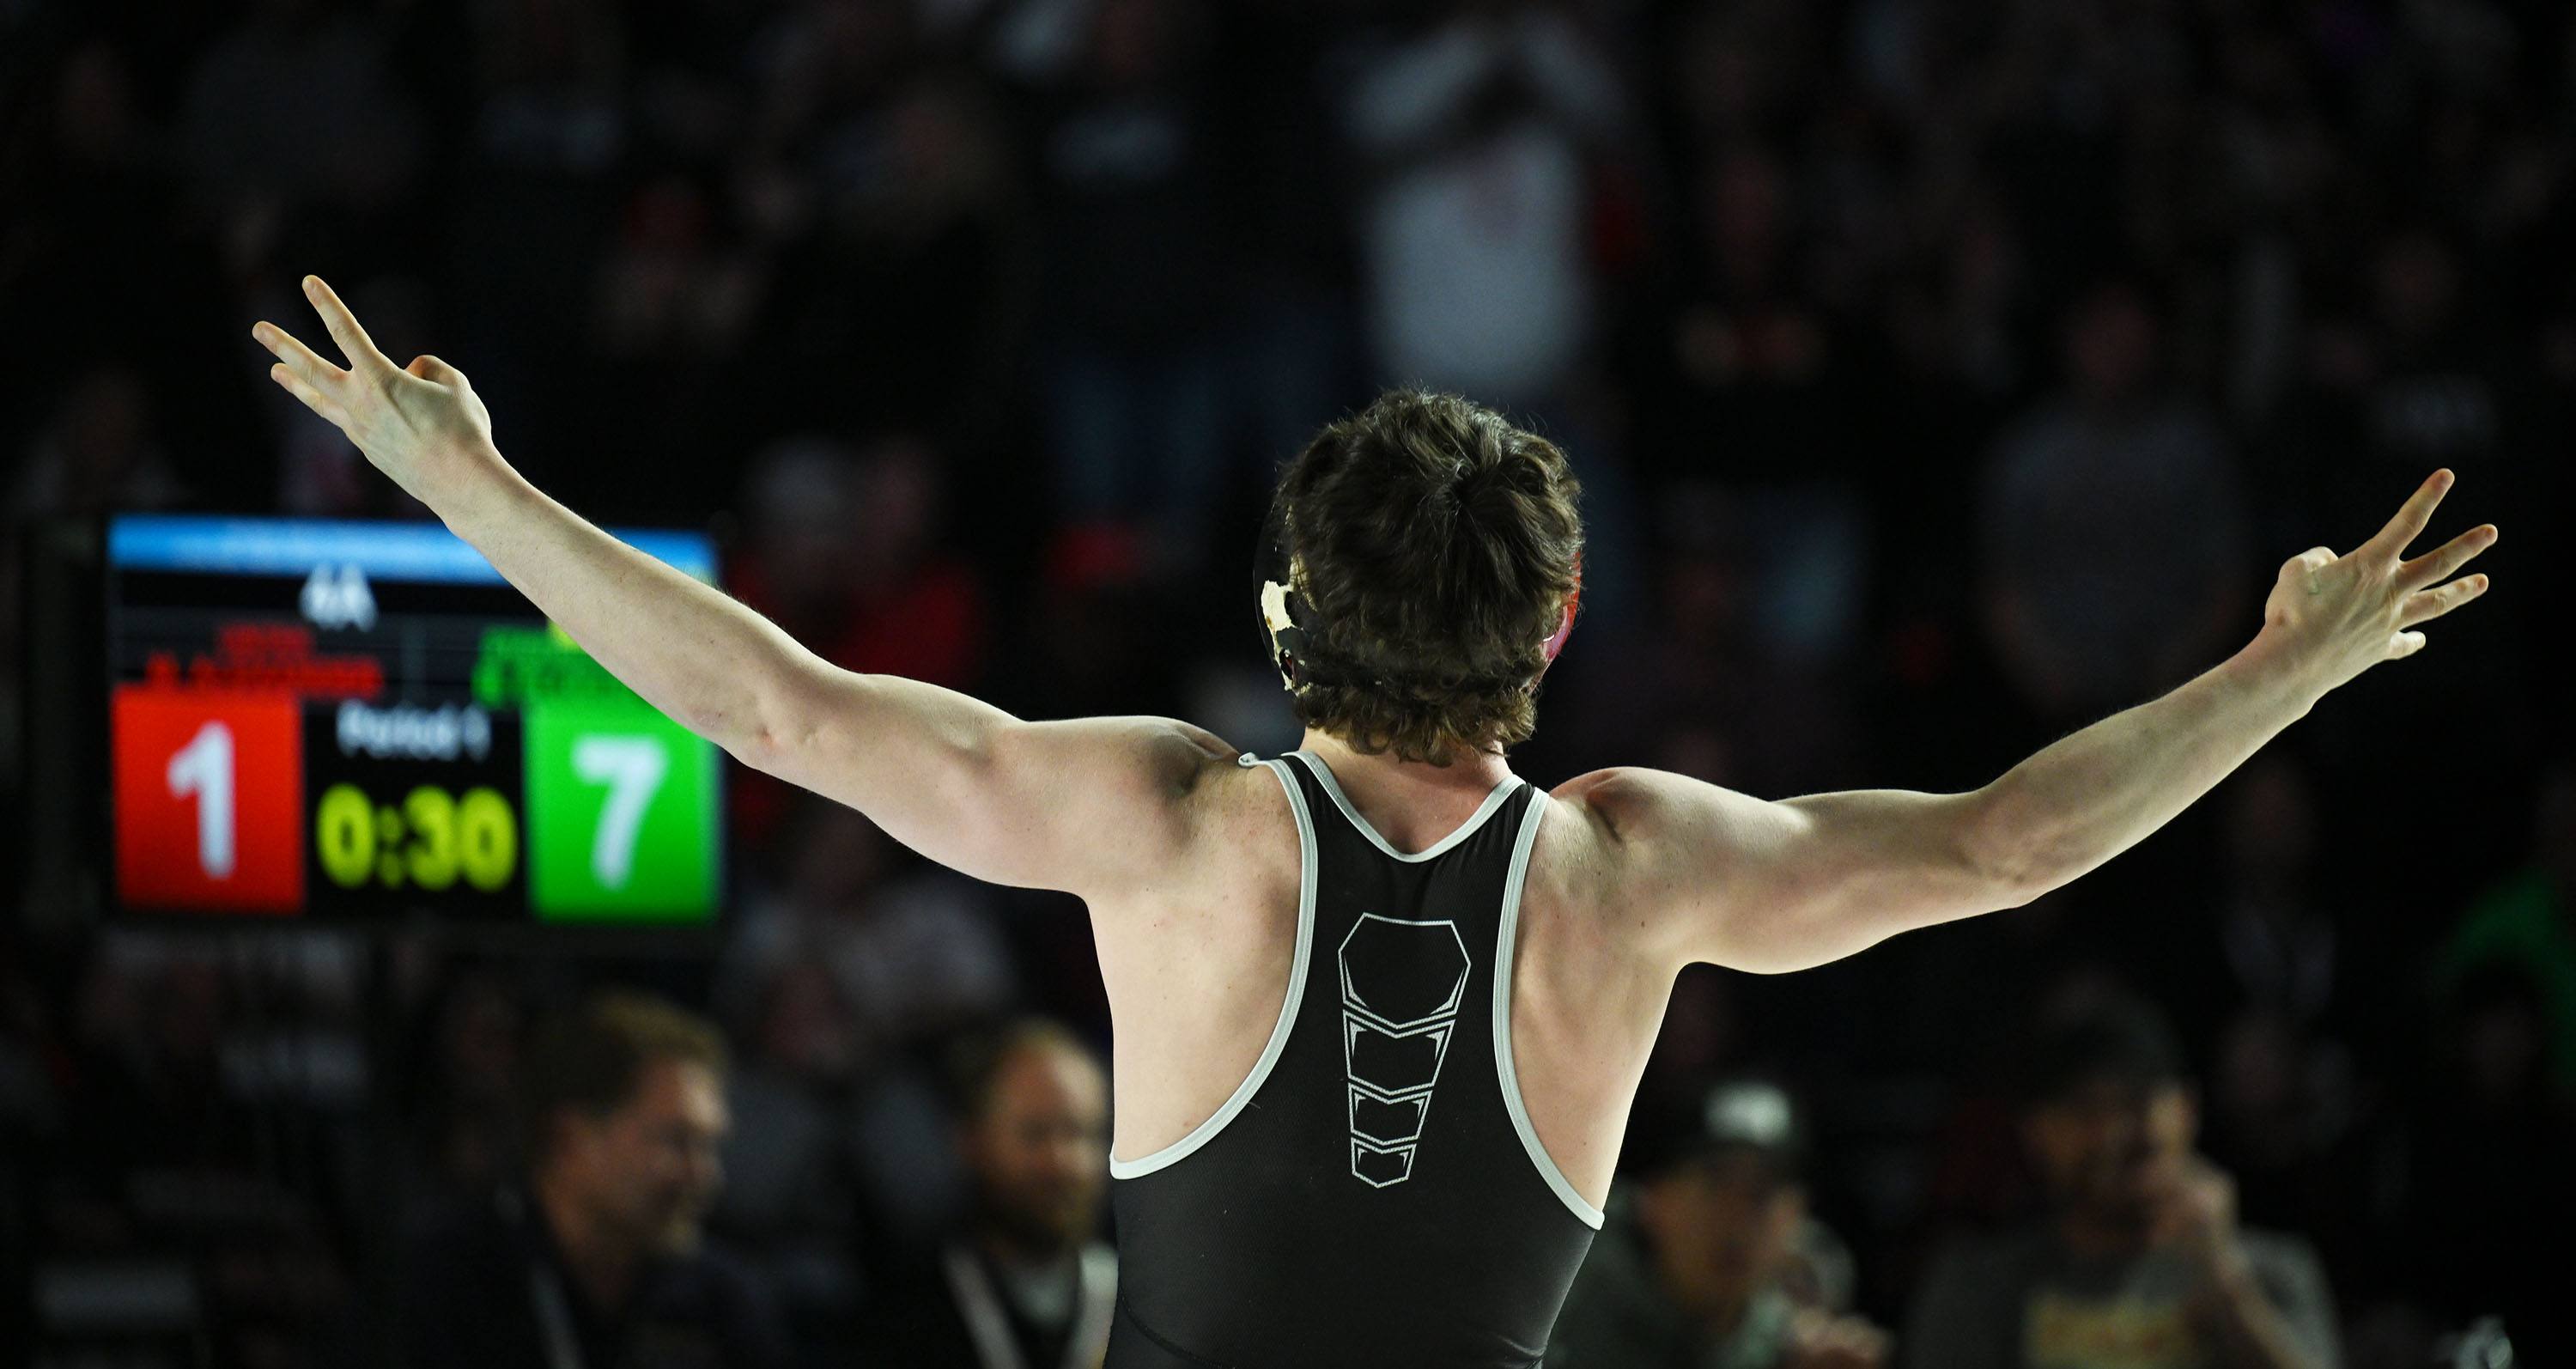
[355, 720]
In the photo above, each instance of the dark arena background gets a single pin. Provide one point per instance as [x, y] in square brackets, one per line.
[1942, 375]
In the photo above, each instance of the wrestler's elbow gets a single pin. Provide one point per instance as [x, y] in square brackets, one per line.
[1996, 854]
[741, 725]
[813, 724]
[768, 719]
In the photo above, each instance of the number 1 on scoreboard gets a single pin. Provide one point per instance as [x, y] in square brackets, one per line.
[203, 770]
[209, 800]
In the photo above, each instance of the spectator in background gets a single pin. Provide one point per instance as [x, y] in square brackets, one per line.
[1098, 640]
[2430, 402]
[2283, 1121]
[669, 292]
[1948, 310]
[1709, 1257]
[2489, 1195]
[882, 187]
[2407, 387]
[1136, 280]
[919, 610]
[1026, 1284]
[2278, 945]
[1701, 695]
[298, 139]
[694, 80]
[1757, 386]
[96, 245]
[467, 1129]
[842, 551]
[915, 952]
[98, 453]
[2140, 1260]
[1480, 133]
[2284, 1117]
[1291, 186]
[912, 957]
[185, 1095]
[2529, 923]
[533, 202]
[599, 1261]
[2115, 528]
[1734, 71]
[152, 1016]
[840, 548]
[790, 1202]
[1703, 1038]
[1477, 269]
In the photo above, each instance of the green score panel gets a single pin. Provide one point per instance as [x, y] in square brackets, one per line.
[622, 813]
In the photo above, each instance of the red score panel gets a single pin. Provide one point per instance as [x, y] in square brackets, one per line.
[209, 800]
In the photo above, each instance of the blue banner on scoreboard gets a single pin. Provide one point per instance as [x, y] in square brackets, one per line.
[422, 553]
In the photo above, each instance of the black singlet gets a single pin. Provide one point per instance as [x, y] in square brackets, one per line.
[1372, 1195]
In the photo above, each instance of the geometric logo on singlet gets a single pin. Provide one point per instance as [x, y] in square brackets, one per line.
[1401, 982]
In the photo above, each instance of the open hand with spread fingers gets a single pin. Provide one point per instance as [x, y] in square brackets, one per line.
[2331, 617]
[420, 424]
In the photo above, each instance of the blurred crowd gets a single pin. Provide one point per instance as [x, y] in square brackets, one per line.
[1941, 374]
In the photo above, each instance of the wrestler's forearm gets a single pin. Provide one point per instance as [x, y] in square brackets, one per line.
[2094, 794]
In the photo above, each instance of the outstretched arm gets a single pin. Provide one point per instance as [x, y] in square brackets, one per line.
[1781, 886]
[958, 780]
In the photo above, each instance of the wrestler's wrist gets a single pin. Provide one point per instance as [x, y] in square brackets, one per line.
[464, 480]
[2273, 669]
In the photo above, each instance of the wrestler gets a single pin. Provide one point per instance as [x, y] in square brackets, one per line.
[1379, 1006]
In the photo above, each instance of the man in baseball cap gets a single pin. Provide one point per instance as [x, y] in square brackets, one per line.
[1709, 1258]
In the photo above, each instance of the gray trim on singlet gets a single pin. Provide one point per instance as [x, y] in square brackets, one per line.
[1206, 1131]
[1503, 948]
[1324, 776]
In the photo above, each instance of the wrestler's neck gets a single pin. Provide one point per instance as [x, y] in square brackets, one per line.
[1411, 803]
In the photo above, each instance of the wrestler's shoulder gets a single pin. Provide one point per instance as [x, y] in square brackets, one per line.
[1634, 836]
[1628, 803]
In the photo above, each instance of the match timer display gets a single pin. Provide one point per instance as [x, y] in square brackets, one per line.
[352, 721]
[428, 842]
[413, 806]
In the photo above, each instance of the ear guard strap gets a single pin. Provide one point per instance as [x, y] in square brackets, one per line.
[1284, 612]
[1565, 625]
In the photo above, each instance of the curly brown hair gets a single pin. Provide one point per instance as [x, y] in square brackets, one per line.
[1436, 546]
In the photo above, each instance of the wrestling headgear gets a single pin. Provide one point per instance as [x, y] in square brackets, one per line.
[1286, 617]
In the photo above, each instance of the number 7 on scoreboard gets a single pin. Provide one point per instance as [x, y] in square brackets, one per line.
[633, 768]
[621, 812]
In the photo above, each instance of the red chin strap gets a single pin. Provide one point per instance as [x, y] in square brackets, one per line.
[1564, 628]
[1565, 625]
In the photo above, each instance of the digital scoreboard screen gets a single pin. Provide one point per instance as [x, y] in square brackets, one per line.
[356, 720]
